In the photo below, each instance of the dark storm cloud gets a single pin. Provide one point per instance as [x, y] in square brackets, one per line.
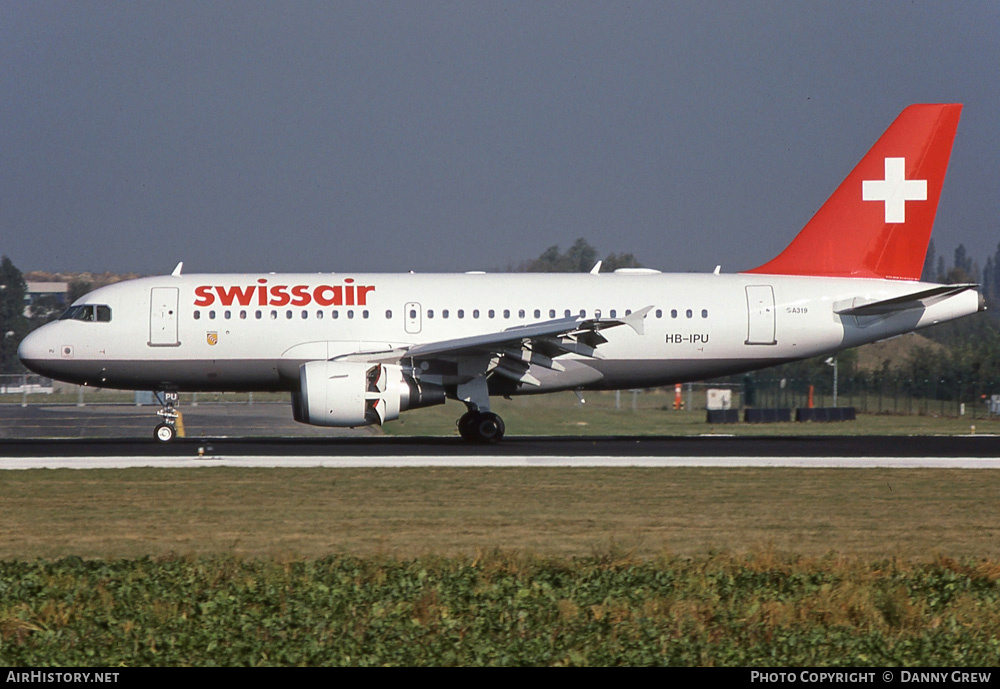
[454, 136]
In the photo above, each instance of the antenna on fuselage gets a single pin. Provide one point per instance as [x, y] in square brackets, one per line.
[177, 270]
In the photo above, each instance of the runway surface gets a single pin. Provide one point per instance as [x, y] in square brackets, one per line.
[264, 435]
[705, 451]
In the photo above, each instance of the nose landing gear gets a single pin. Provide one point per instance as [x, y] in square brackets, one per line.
[167, 429]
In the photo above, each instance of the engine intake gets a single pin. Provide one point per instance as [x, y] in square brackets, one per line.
[338, 393]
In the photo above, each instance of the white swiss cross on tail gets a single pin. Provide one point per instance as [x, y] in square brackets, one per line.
[895, 190]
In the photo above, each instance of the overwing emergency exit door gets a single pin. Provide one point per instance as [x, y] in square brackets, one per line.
[413, 316]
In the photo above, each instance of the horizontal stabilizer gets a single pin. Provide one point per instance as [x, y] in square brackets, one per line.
[916, 300]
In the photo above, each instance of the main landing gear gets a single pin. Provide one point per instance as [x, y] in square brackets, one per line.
[478, 424]
[481, 427]
[167, 429]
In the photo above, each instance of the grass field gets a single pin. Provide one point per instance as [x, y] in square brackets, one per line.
[405, 513]
[500, 609]
[562, 414]
[745, 567]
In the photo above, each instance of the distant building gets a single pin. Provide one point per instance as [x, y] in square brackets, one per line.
[39, 290]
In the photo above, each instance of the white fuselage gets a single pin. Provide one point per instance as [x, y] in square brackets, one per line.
[253, 332]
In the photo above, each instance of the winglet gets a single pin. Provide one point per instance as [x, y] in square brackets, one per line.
[635, 320]
[177, 270]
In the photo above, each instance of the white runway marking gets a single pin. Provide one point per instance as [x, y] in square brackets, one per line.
[479, 461]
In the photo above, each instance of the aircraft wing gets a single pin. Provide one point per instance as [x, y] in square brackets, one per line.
[576, 330]
[510, 353]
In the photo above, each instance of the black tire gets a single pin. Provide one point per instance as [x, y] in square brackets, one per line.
[164, 433]
[467, 426]
[489, 428]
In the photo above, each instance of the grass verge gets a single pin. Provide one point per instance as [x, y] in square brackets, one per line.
[500, 609]
[562, 414]
[552, 512]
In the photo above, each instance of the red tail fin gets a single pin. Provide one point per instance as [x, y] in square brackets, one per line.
[878, 221]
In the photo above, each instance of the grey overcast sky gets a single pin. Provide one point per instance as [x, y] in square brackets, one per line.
[441, 136]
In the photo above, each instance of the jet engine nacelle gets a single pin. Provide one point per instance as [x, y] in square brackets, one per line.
[340, 393]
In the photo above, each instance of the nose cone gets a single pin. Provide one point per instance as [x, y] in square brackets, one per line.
[35, 350]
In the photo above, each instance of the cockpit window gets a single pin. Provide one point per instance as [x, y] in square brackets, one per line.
[78, 313]
[94, 313]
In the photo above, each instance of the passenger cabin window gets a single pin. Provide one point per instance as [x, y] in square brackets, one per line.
[92, 313]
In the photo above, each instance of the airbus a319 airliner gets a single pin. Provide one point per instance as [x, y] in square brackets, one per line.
[358, 349]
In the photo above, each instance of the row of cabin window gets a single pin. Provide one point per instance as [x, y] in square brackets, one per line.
[491, 313]
[289, 314]
[613, 313]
